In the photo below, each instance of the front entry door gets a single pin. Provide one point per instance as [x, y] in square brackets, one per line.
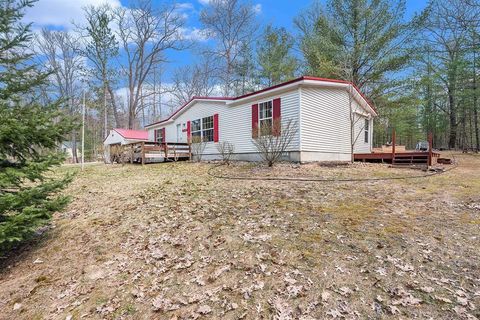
[179, 133]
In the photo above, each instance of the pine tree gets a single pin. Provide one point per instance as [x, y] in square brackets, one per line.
[244, 69]
[29, 134]
[101, 47]
[274, 58]
[365, 39]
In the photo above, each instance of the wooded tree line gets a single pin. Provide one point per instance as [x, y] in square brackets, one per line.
[420, 72]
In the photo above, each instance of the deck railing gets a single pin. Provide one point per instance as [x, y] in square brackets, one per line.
[168, 151]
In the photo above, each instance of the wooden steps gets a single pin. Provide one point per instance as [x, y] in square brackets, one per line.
[409, 159]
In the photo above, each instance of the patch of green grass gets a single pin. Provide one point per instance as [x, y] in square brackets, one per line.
[128, 309]
[353, 214]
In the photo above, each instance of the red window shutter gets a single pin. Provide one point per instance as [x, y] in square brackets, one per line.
[163, 135]
[277, 116]
[189, 132]
[215, 128]
[255, 120]
[155, 135]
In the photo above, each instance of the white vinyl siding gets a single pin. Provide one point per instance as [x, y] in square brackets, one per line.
[323, 123]
[234, 121]
[362, 146]
[198, 111]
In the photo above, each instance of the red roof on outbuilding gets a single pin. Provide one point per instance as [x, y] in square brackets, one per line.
[133, 134]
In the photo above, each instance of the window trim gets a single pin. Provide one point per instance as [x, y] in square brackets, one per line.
[366, 129]
[260, 119]
[212, 129]
[159, 133]
[202, 130]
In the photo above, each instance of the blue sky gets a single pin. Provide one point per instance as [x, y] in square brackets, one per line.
[59, 14]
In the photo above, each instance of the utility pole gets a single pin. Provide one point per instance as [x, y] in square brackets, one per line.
[154, 94]
[105, 133]
[83, 131]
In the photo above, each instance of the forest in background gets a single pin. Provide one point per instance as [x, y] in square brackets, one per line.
[420, 73]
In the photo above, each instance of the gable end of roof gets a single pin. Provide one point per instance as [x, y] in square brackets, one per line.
[278, 86]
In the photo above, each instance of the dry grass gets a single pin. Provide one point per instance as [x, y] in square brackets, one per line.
[168, 241]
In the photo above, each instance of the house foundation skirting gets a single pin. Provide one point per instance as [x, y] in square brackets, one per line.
[293, 156]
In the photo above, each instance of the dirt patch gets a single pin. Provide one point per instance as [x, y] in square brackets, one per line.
[168, 241]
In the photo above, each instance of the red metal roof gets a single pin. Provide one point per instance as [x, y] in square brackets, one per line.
[132, 134]
[268, 89]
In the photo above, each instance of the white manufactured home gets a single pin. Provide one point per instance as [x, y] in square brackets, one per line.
[324, 111]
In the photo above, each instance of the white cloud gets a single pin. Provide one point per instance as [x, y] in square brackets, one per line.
[194, 34]
[61, 13]
[257, 8]
[185, 6]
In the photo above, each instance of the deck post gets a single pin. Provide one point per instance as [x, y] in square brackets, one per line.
[143, 153]
[165, 149]
[394, 138]
[430, 149]
[132, 153]
[189, 150]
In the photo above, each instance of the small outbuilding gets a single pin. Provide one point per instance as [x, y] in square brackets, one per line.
[119, 137]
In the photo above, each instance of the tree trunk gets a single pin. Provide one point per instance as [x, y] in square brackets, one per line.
[114, 106]
[475, 104]
[105, 124]
[475, 122]
[131, 106]
[131, 117]
[452, 140]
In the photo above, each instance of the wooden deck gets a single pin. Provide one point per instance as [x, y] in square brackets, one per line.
[145, 152]
[399, 158]
[397, 155]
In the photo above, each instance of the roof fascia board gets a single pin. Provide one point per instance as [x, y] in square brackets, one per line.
[266, 93]
[183, 110]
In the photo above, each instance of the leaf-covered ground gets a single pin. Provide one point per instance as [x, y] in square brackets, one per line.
[168, 241]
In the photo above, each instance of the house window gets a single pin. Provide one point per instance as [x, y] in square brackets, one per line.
[203, 129]
[159, 137]
[207, 129]
[366, 128]
[265, 117]
[196, 130]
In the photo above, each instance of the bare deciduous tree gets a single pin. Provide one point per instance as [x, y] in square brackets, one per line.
[356, 115]
[273, 140]
[231, 23]
[226, 150]
[198, 147]
[145, 33]
[190, 81]
[60, 51]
